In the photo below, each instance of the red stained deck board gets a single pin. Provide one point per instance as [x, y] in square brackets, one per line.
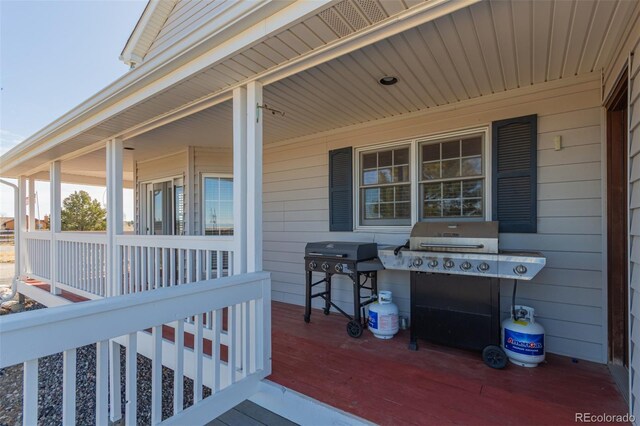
[382, 381]
[63, 293]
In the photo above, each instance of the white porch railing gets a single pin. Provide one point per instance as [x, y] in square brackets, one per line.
[37, 250]
[153, 261]
[81, 261]
[127, 320]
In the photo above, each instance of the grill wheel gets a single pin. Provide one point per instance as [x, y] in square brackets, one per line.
[494, 357]
[354, 329]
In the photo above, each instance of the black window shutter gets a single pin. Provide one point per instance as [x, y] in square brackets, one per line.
[341, 190]
[515, 161]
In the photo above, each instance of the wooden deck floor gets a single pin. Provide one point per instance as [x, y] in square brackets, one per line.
[384, 382]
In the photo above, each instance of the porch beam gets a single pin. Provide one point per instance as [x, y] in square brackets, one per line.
[32, 204]
[55, 221]
[240, 179]
[114, 155]
[254, 176]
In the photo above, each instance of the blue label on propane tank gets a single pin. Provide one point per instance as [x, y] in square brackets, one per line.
[373, 320]
[522, 343]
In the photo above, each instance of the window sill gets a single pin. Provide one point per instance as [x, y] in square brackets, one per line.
[384, 229]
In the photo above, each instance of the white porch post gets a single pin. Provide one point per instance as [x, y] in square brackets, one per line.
[114, 214]
[55, 221]
[240, 179]
[254, 176]
[32, 204]
[20, 225]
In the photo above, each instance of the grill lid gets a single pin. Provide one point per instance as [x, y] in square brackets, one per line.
[342, 249]
[462, 237]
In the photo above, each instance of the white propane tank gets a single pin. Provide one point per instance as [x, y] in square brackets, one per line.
[383, 316]
[523, 338]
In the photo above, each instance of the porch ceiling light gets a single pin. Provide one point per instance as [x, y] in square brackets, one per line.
[388, 80]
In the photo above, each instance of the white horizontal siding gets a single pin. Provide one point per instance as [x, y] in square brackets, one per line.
[568, 294]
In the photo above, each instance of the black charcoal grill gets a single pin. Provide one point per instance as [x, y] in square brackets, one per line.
[359, 261]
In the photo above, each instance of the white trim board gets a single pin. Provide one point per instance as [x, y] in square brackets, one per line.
[301, 408]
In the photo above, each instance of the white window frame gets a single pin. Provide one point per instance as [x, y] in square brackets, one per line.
[203, 176]
[414, 168]
[144, 200]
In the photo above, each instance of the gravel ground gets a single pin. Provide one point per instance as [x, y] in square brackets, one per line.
[50, 387]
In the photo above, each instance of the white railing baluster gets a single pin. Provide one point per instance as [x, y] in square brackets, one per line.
[156, 376]
[69, 387]
[156, 261]
[238, 340]
[216, 325]
[198, 276]
[208, 260]
[230, 263]
[150, 268]
[178, 372]
[30, 393]
[232, 332]
[190, 277]
[253, 330]
[102, 383]
[131, 407]
[165, 267]
[219, 264]
[115, 413]
[180, 266]
[246, 334]
[199, 354]
[143, 269]
[172, 269]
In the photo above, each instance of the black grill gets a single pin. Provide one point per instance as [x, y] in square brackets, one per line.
[356, 260]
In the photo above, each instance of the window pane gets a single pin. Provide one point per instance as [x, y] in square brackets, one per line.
[403, 210]
[385, 175]
[451, 149]
[472, 188]
[401, 174]
[472, 166]
[472, 207]
[472, 147]
[372, 195]
[451, 189]
[371, 211]
[386, 211]
[432, 191]
[403, 193]
[451, 168]
[369, 161]
[226, 189]
[451, 208]
[431, 152]
[218, 206]
[431, 170]
[432, 209]
[385, 158]
[386, 194]
[370, 177]
[401, 156]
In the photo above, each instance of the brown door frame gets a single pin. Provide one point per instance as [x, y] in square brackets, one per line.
[617, 223]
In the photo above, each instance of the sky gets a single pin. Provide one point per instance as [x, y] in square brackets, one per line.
[53, 56]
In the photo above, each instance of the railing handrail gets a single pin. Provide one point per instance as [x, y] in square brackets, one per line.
[38, 235]
[82, 237]
[62, 328]
[207, 242]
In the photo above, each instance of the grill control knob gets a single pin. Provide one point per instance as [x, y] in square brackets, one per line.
[325, 266]
[433, 263]
[483, 267]
[338, 267]
[449, 264]
[520, 269]
[313, 264]
[465, 266]
[417, 262]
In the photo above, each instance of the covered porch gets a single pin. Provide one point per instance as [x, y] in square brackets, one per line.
[263, 122]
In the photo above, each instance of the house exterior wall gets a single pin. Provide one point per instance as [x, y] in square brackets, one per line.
[568, 294]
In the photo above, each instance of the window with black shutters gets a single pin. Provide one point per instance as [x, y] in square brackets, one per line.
[515, 174]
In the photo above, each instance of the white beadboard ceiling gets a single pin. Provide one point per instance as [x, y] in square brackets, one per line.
[490, 47]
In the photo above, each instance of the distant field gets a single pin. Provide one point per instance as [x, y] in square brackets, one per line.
[7, 253]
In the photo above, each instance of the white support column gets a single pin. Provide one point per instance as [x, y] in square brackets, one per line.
[114, 213]
[20, 226]
[254, 176]
[55, 221]
[32, 204]
[240, 179]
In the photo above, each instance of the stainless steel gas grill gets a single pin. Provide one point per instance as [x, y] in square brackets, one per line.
[455, 289]
[358, 261]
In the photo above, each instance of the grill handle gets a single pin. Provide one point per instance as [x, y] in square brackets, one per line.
[312, 253]
[453, 246]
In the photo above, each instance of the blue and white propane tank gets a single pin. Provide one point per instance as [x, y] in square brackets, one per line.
[523, 338]
[383, 316]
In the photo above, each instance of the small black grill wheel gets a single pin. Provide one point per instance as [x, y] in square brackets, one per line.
[326, 311]
[307, 318]
[354, 329]
[494, 357]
